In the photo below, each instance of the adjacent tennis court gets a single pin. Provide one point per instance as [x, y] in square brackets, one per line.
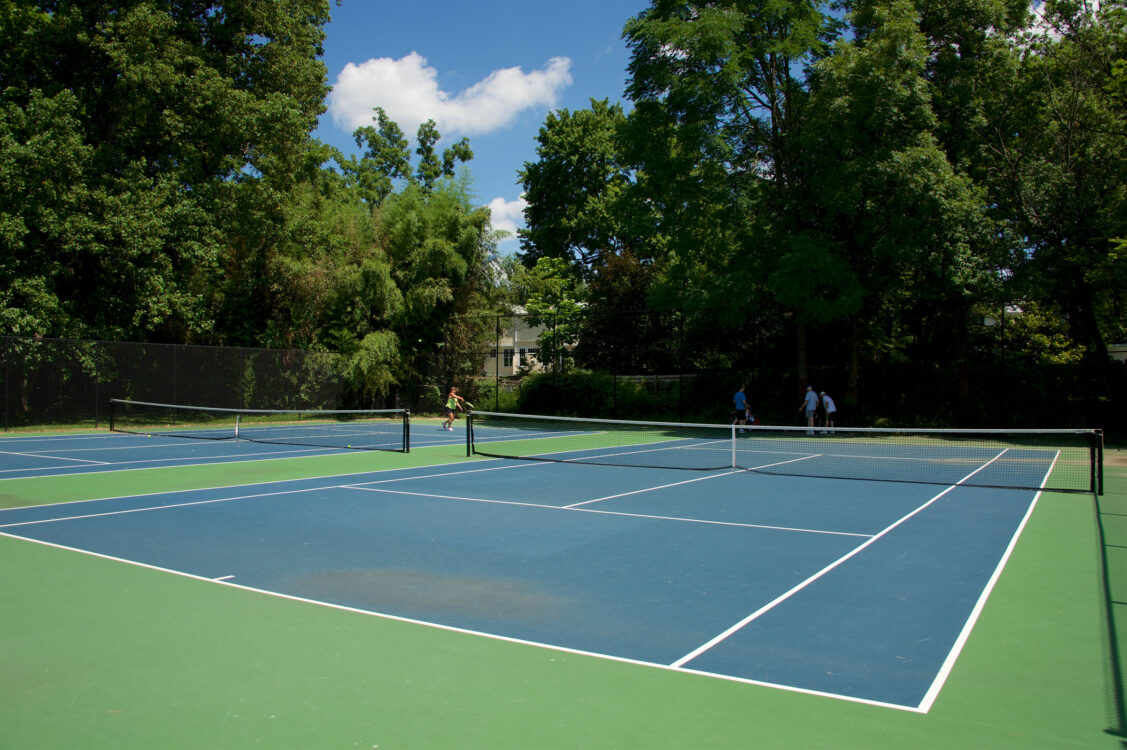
[847, 590]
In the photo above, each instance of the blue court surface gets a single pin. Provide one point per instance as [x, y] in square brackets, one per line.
[861, 590]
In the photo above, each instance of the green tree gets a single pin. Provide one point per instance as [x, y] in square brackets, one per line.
[555, 303]
[1054, 159]
[719, 89]
[892, 227]
[163, 117]
[575, 189]
[384, 160]
[430, 167]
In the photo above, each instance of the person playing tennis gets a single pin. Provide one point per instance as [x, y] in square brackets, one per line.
[453, 404]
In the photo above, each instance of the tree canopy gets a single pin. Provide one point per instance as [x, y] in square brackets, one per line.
[831, 194]
[873, 193]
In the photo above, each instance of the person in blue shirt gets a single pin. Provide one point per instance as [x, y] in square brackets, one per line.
[810, 404]
[739, 416]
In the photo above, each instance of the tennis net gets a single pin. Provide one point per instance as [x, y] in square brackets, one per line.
[372, 429]
[1060, 460]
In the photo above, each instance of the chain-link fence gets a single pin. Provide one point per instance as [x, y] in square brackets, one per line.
[632, 365]
[68, 382]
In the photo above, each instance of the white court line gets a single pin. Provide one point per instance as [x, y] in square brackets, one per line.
[980, 468]
[101, 435]
[164, 507]
[788, 461]
[172, 463]
[139, 446]
[650, 489]
[664, 445]
[821, 573]
[252, 496]
[687, 481]
[582, 459]
[334, 477]
[571, 509]
[972, 620]
[56, 458]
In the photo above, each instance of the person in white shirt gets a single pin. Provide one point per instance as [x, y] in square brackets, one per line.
[831, 410]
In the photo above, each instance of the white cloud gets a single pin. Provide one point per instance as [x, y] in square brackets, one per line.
[506, 215]
[408, 91]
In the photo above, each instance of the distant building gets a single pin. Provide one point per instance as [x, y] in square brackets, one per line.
[515, 347]
[1118, 352]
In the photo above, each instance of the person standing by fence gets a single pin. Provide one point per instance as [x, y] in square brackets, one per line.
[831, 411]
[739, 401]
[810, 406]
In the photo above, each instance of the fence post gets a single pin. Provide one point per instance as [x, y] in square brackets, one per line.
[497, 364]
[681, 365]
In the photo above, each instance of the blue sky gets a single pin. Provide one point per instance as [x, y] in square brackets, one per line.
[489, 70]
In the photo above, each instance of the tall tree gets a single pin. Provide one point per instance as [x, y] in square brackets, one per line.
[719, 87]
[169, 120]
[575, 189]
[1054, 156]
[892, 227]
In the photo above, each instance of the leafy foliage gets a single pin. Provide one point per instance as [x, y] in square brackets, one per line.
[797, 188]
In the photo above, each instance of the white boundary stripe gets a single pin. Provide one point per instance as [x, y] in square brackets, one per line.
[99, 435]
[169, 463]
[573, 509]
[824, 571]
[687, 481]
[980, 468]
[593, 458]
[332, 477]
[238, 497]
[287, 455]
[55, 458]
[780, 463]
[465, 631]
[949, 663]
[135, 447]
[127, 511]
[649, 489]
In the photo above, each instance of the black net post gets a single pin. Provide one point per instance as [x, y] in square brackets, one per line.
[1097, 452]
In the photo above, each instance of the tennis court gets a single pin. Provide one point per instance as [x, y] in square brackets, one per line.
[145, 438]
[848, 591]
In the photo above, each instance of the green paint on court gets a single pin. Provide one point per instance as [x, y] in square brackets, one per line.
[15, 493]
[100, 654]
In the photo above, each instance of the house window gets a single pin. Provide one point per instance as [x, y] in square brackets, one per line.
[523, 357]
[508, 358]
[534, 353]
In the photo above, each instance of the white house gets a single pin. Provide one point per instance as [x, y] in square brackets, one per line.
[515, 347]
